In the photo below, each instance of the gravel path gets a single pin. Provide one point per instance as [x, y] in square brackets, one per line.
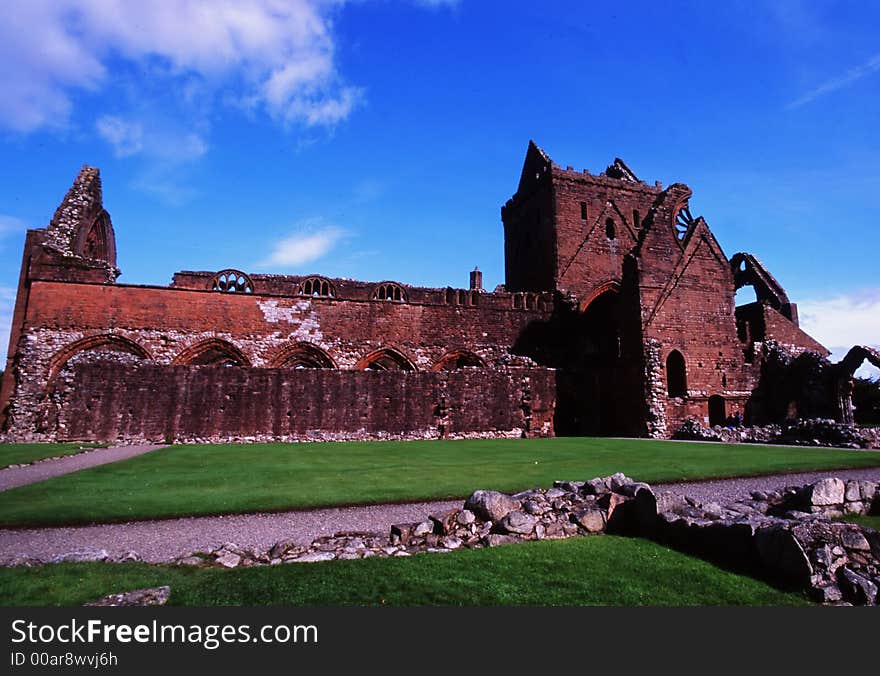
[165, 540]
[14, 477]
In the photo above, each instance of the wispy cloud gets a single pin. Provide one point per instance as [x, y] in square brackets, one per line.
[841, 321]
[127, 138]
[869, 67]
[133, 137]
[306, 244]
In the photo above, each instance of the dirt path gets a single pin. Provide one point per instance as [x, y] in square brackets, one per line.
[165, 540]
[14, 477]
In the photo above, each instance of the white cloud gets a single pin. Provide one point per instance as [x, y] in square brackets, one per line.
[852, 75]
[127, 138]
[842, 321]
[276, 54]
[303, 246]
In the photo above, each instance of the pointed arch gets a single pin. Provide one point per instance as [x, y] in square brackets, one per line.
[106, 341]
[302, 355]
[96, 240]
[386, 359]
[458, 359]
[676, 375]
[211, 352]
[612, 285]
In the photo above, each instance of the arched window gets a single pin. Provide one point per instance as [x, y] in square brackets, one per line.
[517, 301]
[386, 359]
[302, 356]
[676, 375]
[231, 281]
[389, 291]
[211, 352]
[610, 232]
[100, 343]
[317, 287]
[97, 241]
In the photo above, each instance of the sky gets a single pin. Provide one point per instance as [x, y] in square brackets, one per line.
[378, 139]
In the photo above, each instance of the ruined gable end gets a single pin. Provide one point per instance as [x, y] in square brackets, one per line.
[81, 228]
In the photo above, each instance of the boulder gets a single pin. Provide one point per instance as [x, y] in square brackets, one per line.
[491, 505]
[227, 559]
[595, 486]
[591, 520]
[825, 492]
[782, 555]
[444, 522]
[465, 517]
[857, 588]
[516, 523]
[423, 528]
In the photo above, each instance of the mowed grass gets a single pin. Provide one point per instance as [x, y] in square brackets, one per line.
[20, 454]
[600, 570]
[216, 479]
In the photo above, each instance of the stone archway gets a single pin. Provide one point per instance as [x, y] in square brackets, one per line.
[717, 410]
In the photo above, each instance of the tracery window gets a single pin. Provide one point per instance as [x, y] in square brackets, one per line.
[389, 291]
[317, 287]
[231, 281]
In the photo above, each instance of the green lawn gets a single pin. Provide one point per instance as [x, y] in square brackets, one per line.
[215, 479]
[20, 454]
[601, 570]
[872, 521]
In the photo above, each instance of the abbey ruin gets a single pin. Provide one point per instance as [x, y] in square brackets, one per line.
[617, 317]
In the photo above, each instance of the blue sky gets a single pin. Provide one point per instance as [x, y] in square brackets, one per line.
[377, 139]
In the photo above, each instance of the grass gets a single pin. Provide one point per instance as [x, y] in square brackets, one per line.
[217, 479]
[871, 521]
[602, 570]
[21, 454]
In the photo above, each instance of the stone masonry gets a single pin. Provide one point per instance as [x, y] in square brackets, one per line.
[616, 317]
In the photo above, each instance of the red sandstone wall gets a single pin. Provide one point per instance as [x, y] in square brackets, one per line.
[164, 321]
[109, 401]
[688, 305]
[783, 331]
[586, 257]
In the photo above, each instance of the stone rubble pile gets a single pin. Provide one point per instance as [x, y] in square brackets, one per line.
[812, 432]
[154, 596]
[786, 535]
[487, 519]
